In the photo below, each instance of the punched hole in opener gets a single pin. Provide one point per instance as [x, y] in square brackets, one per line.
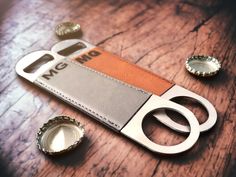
[176, 125]
[71, 49]
[193, 105]
[134, 129]
[178, 91]
[38, 63]
[157, 132]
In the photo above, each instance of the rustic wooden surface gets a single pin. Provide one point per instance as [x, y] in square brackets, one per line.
[156, 35]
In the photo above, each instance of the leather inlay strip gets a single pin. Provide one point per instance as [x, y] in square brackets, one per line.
[120, 69]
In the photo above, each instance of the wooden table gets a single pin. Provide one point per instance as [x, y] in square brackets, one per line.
[158, 36]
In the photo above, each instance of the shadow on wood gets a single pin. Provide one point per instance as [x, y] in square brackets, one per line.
[73, 158]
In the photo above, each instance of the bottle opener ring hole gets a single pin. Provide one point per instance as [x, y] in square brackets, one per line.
[160, 133]
[193, 105]
[38, 63]
[71, 49]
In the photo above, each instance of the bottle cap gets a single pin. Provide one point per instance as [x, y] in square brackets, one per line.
[59, 135]
[203, 66]
[67, 28]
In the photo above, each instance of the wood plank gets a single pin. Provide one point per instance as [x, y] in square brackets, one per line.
[156, 35]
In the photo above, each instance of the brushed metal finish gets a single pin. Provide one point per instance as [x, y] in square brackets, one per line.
[134, 129]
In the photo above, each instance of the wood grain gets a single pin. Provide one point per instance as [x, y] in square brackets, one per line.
[156, 35]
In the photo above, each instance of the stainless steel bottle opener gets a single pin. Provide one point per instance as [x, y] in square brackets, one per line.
[116, 104]
[76, 47]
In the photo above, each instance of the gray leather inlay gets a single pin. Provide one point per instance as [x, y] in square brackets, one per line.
[108, 100]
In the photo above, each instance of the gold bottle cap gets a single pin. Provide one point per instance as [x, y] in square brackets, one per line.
[67, 28]
[59, 135]
[203, 66]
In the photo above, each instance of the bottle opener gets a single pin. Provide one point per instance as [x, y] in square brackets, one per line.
[114, 103]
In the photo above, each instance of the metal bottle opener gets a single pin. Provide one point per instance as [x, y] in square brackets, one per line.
[114, 66]
[116, 104]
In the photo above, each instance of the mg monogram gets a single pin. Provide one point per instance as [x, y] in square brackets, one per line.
[84, 58]
[52, 72]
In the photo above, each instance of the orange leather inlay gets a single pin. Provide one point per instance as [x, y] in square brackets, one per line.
[130, 73]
